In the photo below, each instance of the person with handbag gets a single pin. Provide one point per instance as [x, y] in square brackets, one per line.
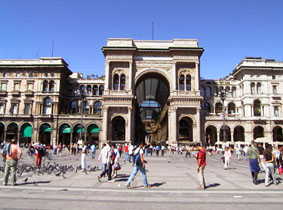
[269, 160]
[116, 164]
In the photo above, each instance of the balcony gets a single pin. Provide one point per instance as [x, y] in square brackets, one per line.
[29, 93]
[16, 93]
[3, 93]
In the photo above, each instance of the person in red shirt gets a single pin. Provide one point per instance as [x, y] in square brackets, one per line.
[201, 161]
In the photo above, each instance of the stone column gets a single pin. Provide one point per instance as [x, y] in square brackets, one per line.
[130, 83]
[128, 136]
[196, 77]
[174, 75]
[198, 136]
[104, 126]
[106, 87]
[172, 125]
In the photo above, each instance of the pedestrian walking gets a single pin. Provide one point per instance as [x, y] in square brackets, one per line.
[104, 156]
[12, 158]
[253, 156]
[201, 162]
[139, 165]
[83, 157]
[269, 160]
[93, 151]
[227, 157]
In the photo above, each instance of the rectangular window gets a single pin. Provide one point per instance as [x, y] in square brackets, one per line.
[14, 108]
[16, 86]
[3, 87]
[276, 111]
[2, 108]
[30, 86]
[274, 89]
[27, 109]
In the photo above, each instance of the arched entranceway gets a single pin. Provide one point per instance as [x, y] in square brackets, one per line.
[277, 134]
[152, 91]
[65, 131]
[185, 133]
[93, 134]
[239, 134]
[78, 133]
[258, 132]
[12, 131]
[225, 133]
[118, 129]
[2, 132]
[26, 134]
[45, 134]
[211, 135]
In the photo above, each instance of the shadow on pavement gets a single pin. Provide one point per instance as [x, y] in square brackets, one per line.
[39, 182]
[157, 184]
[212, 185]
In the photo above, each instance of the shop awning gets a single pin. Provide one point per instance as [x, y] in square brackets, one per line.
[27, 132]
[67, 130]
[47, 129]
[94, 130]
[80, 130]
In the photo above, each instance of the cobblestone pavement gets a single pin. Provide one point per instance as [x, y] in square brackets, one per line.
[174, 184]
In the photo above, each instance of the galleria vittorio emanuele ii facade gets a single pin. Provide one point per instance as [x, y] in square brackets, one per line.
[151, 91]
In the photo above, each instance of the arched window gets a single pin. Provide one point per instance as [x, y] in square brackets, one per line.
[101, 89]
[95, 90]
[181, 82]
[277, 134]
[227, 91]
[258, 88]
[82, 89]
[51, 86]
[231, 108]
[234, 91]
[45, 86]
[186, 129]
[218, 108]
[122, 82]
[258, 132]
[118, 129]
[252, 88]
[207, 107]
[239, 134]
[47, 106]
[97, 107]
[88, 90]
[85, 107]
[257, 108]
[211, 135]
[74, 107]
[116, 82]
[188, 82]
[225, 133]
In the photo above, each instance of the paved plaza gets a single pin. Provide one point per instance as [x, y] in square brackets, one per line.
[174, 185]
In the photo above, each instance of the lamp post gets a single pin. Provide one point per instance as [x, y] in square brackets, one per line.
[82, 110]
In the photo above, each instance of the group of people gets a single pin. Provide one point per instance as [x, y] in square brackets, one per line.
[265, 159]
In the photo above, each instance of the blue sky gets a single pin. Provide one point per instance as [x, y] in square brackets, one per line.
[228, 30]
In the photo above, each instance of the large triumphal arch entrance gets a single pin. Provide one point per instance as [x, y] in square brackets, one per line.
[152, 91]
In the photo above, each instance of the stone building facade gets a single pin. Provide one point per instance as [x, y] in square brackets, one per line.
[245, 105]
[42, 101]
[151, 92]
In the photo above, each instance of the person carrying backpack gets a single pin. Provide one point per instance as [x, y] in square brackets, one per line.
[139, 165]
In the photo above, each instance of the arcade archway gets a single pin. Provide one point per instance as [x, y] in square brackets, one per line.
[45, 134]
[65, 134]
[185, 130]
[211, 135]
[12, 131]
[2, 132]
[118, 129]
[26, 134]
[152, 91]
